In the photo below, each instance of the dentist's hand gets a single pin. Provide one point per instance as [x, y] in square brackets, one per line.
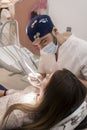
[35, 79]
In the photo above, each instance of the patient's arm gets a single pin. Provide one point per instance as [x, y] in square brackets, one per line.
[1, 93]
[7, 92]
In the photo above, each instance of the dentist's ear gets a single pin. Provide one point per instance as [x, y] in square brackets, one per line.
[55, 31]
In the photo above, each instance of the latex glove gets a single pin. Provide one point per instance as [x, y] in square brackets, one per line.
[35, 79]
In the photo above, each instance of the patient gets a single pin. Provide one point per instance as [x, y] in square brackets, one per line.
[61, 95]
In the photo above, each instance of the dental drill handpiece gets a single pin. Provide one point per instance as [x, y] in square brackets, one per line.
[35, 75]
[31, 70]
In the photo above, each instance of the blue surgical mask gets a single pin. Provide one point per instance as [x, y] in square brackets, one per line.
[51, 48]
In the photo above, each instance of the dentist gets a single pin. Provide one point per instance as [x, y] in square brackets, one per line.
[57, 50]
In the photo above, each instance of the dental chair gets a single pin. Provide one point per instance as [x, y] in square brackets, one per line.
[13, 56]
[72, 121]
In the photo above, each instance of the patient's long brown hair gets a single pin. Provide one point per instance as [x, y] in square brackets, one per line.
[62, 96]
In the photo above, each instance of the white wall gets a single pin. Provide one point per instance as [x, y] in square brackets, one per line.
[71, 13]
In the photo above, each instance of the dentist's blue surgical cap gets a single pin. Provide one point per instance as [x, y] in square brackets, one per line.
[39, 26]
